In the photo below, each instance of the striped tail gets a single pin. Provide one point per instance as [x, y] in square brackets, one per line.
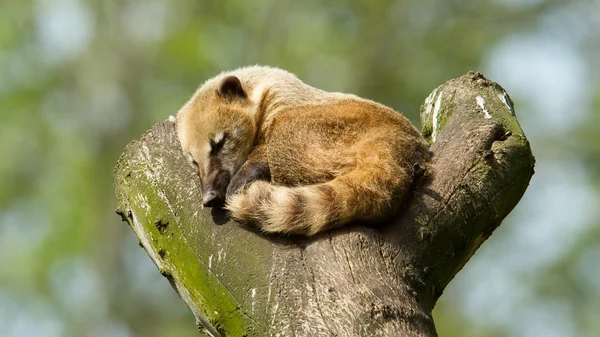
[362, 195]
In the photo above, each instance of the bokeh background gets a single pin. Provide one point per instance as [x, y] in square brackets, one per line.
[79, 79]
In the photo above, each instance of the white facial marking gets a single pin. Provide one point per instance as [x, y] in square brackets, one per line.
[218, 137]
[481, 103]
[206, 148]
[206, 165]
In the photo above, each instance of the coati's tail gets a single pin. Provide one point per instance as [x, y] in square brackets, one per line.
[362, 195]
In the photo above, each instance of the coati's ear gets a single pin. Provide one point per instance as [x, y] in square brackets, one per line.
[231, 88]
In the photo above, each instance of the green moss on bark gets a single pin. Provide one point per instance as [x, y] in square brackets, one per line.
[179, 261]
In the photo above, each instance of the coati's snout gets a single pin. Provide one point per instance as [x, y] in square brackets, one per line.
[214, 188]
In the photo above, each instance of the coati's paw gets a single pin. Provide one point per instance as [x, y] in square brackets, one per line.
[247, 175]
[236, 184]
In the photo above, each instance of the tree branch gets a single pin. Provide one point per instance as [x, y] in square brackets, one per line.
[353, 281]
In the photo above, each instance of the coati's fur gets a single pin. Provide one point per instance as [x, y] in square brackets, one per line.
[290, 158]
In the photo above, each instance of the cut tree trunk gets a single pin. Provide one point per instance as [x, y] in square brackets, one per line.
[355, 281]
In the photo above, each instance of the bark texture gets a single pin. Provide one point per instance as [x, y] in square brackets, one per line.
[356, 281]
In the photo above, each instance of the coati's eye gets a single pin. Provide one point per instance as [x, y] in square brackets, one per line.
[216, 142]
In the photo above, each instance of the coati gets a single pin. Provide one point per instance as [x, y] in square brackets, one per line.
[290, 158]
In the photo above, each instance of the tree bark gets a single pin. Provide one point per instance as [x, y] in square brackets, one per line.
[355, 281]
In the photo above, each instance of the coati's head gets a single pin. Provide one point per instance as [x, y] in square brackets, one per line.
[216, 131]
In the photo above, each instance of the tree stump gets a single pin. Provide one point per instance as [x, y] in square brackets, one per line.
[354, 281]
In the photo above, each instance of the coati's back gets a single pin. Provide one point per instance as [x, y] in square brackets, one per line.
[317, 143]
[284, 87]
[296, 159]
[333, 164]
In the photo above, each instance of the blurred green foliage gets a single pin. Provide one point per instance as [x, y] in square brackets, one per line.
[79, 79]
